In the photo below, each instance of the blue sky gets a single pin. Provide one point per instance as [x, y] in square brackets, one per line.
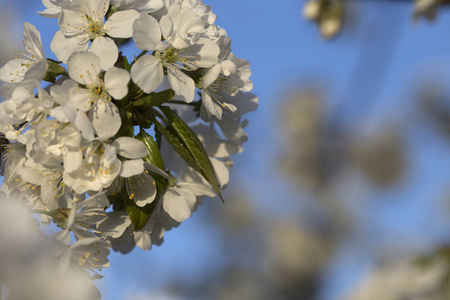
[286, 53]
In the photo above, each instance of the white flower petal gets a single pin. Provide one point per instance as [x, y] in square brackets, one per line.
[83, 124]
[143, 240]
[166, 26]
[37, 71]
[175, 205]
[73, 23]
[72, 159]
[51, 11]
[243, 102]
[64, 47]
[96, 9]
[156, 170]
[143, 188]
[33, 41]
[116, 82]
[228, 67]
[131, 168]
[187, 196]
[182, 84]
[211, 75]
[120, 24]
[211, 106]
[147, 73]
[105, 119]
[205, 54]
[84, 67]
[114, 224]
[30, 175]
[197, 188]
[106, 49]
[60, 92]
[152, 5]
[59, 114]
[80, 99]
[146, 33]
[222, 173]
[13, 71]
[129, 147]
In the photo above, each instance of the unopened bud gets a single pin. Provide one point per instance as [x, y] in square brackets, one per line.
[330, 27]
[311, 10]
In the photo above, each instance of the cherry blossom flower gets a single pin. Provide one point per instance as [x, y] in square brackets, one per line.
[86, 23]
[84, 68]
[175, 55]
[32, 65]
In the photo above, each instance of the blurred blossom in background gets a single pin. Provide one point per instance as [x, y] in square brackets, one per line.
[342, 191]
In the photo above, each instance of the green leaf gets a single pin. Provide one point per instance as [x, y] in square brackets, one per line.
[176, 144]
[158, 137]
[196, 157]
[140, 118]
[154, 155]
[155, 99]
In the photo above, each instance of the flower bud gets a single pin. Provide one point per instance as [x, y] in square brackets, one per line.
[311, 10]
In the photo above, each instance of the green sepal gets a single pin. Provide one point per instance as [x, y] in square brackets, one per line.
[53, 70]
[186, 142]
[138, 215]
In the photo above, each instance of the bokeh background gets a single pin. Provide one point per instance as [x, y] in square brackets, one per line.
[342, 192]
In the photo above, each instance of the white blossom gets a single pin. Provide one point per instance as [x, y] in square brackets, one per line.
[32, 65]
[84, 68]
[176, 55]
[86, 23]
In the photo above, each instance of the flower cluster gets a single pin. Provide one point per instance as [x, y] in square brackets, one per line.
[117, 151]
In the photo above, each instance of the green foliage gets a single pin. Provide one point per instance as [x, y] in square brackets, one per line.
[155, 99]
[184, 140]
[125, 130]
[154, 155]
